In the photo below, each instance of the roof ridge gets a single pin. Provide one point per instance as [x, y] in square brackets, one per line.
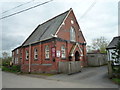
[55, 17]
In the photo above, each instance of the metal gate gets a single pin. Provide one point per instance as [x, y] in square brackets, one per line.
[69, 67]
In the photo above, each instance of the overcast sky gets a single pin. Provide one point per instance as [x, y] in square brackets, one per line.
[100, 20]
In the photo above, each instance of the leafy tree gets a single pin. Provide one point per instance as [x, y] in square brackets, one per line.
[98, 44]
[6, 61]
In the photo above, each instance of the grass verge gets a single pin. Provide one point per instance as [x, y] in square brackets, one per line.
[116, 80]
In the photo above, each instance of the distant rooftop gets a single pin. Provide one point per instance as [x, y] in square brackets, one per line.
[113, 43]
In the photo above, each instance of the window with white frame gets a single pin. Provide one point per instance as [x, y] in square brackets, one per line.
[47, 52]
[27, 54]
[63, 52]
[35, 54]
[17, 51]
[20, 54]
[16, 60]
[72, 34]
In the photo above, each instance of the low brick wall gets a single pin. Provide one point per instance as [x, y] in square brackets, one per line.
[39, 68]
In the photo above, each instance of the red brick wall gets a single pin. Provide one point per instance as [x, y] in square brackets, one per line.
[41, 68]
[64, 31]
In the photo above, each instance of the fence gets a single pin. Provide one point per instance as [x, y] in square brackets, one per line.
[96, 59]
[69, 67]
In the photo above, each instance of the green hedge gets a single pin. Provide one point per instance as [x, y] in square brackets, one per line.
[14, 68]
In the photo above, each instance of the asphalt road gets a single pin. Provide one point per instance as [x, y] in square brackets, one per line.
[88, 78]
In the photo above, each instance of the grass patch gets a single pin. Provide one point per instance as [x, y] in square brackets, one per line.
[116, 80]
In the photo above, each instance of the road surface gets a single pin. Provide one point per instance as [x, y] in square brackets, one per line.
[88, 78]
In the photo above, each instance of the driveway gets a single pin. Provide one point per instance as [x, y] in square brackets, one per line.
[92, 76]
[88, 78]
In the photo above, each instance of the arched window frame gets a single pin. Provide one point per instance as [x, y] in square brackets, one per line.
[63, 52]
[47, 52]
[72, 34]
[27, 54]
[35, 53]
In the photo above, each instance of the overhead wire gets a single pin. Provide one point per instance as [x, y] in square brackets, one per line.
[91, 6]
[17, 6]
[25, 9]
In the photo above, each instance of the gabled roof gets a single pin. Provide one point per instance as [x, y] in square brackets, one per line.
[113, 43]
[46, 30]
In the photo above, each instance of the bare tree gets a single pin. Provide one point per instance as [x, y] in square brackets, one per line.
[5, 55]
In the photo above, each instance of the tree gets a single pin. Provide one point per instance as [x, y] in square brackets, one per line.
[5, 55]
[99, 44]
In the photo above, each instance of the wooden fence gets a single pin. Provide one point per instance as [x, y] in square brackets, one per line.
[69, 67]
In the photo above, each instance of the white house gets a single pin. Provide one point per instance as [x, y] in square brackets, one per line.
[111, 47]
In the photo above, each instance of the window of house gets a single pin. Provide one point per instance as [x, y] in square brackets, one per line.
[27, 55]
[63, 53]
[17, 51]
[72, 21]
[20, 54]
[47, 56]
[16, 60]
[35, 54]
[72, 34]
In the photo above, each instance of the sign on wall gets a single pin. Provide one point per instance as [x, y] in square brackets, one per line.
[53, 52]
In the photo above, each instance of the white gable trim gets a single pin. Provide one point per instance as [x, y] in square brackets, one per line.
[79, 49]
[63, 21]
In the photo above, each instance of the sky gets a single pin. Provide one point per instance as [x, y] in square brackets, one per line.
[100, 19]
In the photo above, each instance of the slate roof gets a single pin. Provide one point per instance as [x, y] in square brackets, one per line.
[46, 29]
[113, 43]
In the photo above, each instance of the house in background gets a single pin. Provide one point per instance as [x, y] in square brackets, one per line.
[111, 47]
[111, 62]
[59, 39]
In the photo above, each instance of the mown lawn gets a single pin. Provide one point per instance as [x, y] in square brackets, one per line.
[116, 80]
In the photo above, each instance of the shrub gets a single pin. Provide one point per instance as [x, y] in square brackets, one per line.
[6, 62]
[14, 68]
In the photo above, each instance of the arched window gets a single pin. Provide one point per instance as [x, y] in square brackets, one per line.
[27, 54]
[47, 51]
[72, 34]
[63, 52]
[35, 54]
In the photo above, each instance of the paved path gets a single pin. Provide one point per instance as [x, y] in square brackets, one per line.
[88, 78]
[94, 77]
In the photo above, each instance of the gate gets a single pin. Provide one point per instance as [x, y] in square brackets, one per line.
[69, 67]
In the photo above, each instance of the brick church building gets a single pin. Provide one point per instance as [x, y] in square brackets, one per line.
[59, 39]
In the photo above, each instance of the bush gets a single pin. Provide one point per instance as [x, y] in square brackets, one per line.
[116, 68]
[116, 71]
[14, 68]
[6, 62]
